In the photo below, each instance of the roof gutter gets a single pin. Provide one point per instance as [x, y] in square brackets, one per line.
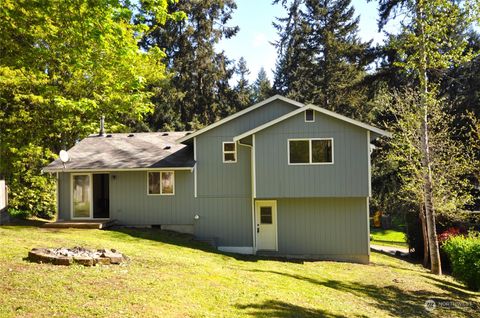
[53, 170]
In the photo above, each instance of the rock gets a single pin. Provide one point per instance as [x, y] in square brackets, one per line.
[62, 260]
[82, 260]
[102, 260]
[78, 255]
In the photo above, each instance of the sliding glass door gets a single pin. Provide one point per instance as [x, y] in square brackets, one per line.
[81, 196]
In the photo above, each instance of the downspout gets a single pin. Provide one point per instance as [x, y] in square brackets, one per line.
[252, 176]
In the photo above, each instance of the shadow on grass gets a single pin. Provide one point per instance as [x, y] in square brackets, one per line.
[391, 298]
[451, 287]
[13, 221]
[189, 241]
[161, 236]
[276, 308]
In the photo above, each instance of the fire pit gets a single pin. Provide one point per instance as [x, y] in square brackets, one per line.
[76, 255]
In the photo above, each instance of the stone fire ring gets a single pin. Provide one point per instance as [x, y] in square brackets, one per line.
[76, 255]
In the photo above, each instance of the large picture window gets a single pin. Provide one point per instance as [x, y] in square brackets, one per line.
[161, 183]
[310, 151]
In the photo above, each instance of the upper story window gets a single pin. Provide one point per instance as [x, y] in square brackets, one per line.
[309, 116]
[310, 151]
[229, 152]
[161, 182]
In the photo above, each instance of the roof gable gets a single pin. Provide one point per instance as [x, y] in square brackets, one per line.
[320, 110]
[238, 114]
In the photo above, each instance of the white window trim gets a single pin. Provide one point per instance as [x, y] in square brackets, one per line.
[305, 116]
[229, 152]
[161, 190]
[310, 152]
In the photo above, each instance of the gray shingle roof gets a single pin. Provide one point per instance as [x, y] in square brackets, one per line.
[127, 151]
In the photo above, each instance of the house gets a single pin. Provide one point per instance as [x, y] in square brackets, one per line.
[277, 178]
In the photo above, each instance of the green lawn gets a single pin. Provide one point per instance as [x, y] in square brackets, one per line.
[171, 276]
[388, 238]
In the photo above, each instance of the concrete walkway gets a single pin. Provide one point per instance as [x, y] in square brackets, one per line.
[397, 251]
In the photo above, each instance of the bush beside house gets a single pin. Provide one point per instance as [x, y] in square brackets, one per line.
[464, 255]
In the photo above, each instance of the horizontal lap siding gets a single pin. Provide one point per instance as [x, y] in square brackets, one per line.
[323, 226]
[347, 177]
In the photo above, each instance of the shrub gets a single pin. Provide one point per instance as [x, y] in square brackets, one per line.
[464, 255]
[450, 232]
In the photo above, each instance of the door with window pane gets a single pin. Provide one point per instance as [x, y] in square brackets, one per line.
[266, 225]
[81, 196]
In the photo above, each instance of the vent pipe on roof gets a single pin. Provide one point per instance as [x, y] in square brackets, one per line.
[102, 126]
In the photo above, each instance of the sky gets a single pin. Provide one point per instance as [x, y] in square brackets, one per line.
[255, 17]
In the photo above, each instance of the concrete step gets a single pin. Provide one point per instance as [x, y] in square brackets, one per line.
[84, 224]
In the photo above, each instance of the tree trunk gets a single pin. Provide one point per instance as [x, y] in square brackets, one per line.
[428, 197]
[425, 151]
[426, 258]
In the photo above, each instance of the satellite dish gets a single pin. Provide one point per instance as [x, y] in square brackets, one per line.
[64, 156]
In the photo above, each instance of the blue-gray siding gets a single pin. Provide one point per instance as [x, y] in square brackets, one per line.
[64, 193]
[227, 220]
[322, 209]
[231, 180]
[337, 227]
[346, 177]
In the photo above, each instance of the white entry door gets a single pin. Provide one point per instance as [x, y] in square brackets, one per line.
[266, 225]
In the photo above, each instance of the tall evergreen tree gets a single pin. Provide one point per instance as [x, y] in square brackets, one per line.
[243, 88]
[199, 91]
[321, 58]
[262, 89]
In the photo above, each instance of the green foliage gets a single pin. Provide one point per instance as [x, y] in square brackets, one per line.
[243, 89]
[262, 89]
[198, 92]
[63, 64]
[464, 255]
[321, 59]
[450, 158]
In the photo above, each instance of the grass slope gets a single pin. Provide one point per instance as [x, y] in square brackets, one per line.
[388, 238]
[171, 276]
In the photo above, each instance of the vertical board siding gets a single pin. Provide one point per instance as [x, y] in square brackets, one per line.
[231, 180]
[346, 177]
[130, 204]
[64, 194]
[322, 226]
[227, 220]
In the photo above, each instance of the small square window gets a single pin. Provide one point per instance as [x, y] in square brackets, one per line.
[229, 152]
[309, 116]
[266, 215]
